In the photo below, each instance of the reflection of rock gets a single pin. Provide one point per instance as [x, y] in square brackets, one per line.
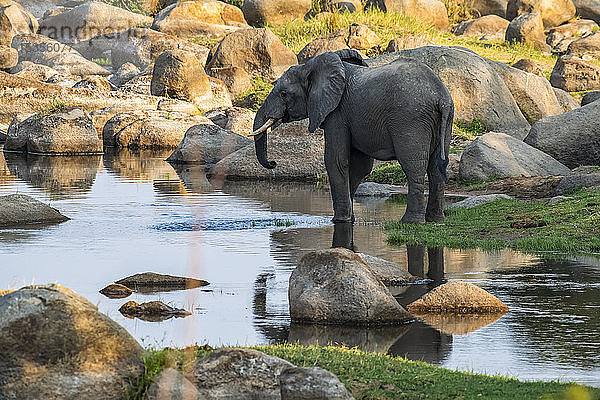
[423, 343]
[149, 282]
[18, 210]
[116, 291]
[57, 175]
[193, 177]
[452, 324]
[458, 297]
[153, 311]
[139, 165]
[377, 339]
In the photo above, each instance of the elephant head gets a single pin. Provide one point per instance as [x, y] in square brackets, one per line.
[312, 90]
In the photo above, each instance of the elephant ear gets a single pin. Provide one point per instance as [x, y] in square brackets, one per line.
[327, 80]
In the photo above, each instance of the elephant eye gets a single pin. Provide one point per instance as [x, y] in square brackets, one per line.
[284, 94]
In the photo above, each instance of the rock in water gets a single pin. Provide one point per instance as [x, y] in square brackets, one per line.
[56, 345]
[207, 144]
[62, 131]
[458, 297]
[116, 291]
[241, 374]
[152, 311]
[337, 287]
[311, 383]
[389, 273]
[19, 210]
[148, 282]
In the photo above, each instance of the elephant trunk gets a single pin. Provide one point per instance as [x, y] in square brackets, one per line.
[262, 124]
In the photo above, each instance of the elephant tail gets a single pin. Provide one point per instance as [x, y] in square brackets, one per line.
[447, 111]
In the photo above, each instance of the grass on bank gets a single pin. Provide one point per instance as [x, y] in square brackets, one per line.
[378, 376]
[571, 226]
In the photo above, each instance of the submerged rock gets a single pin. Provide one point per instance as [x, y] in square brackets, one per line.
[152, 311]
[337, 287]
[19, 210]
[149, 282]
[116, 291]
[458, 297]
[56, 345]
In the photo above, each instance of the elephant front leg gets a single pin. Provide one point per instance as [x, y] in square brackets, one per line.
[336, 163]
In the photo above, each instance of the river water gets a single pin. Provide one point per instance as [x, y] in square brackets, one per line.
[133, 213]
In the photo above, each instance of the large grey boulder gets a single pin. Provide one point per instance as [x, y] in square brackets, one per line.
[431, 11]
[88, 20]
[141, 47]
[573, 138]
[258, 52]
[486, 27]
[579, 178]
[529, 29]
[148, 129]
[356, 36]
[15, 20]
[178, 74]
[534, 95]
[588, 9]
[487, 7]
[498, 155]
[337, 287]
[241, 374]
[312, 383]
[43, 50]
[207, 144]
[208, 18]
[566, 101]
[64, 131]
[553, 12]
[262, 12]
[55, 344]
[18, 210]
[298, 153]
[476, 88]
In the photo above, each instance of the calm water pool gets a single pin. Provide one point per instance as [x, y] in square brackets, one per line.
[133, 213]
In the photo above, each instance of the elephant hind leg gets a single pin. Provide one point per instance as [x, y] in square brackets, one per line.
[435, 201]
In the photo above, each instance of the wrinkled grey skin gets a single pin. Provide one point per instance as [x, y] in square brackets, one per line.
[400, 111]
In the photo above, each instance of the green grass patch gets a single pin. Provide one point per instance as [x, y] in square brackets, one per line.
[53, 106]
[571, 226]
[391, 174]
[378, 376]
[469, 131]
[254, 98]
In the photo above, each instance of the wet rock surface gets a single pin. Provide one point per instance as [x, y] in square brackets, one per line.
[337, 287]
[116, 291]
[458, 297]
[152, 311]
[55, 344]
[149, 282]
[21, 210]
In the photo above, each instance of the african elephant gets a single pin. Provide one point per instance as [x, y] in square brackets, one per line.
[400, 111]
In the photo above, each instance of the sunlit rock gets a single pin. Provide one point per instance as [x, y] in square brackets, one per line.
[20, 210]
[149, 282]
[458, 297]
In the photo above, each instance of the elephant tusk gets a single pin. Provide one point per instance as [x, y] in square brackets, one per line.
[263, 128]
